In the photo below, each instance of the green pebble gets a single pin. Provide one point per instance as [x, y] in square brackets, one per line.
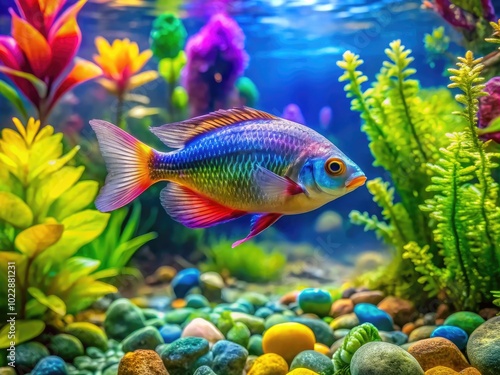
[29, 353]
[322, 331]
[197, 301]
[178, 316]
[225, 322]
[256, 299]
[66, 346]
[122, 319]
[382, 358]
[274, 319]
[346, 321]
[466, 320]
[180, 355]
[240, 334]
[89, 334]
[152, 314]
[483, 348]
[145, 338]
[111, 370]
[94, 352]
[155, 322]
[204, 370]
[254, 324]
[255, 345]
[314, 361]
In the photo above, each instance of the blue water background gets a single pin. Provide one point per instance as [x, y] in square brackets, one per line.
[293, 48]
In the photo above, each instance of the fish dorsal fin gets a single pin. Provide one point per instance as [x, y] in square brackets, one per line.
[177, 134]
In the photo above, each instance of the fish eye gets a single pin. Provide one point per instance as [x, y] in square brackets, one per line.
[335, 166]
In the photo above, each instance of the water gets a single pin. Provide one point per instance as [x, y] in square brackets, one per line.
[77, 268]
[293, 47]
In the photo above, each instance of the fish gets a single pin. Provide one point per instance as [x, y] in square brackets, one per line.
[225, 165]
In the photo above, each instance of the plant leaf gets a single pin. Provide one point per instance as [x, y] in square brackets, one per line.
[75, 199]
[36, 239]
[14, 211]
[79, 229]
[493, 127]
[52, 302]
[35, 309]
[141, 79]
[40, 86]
[25, 331]
[13, 96]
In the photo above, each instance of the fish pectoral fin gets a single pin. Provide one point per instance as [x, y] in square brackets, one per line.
[260, 222]
[272, 184]
[194, 210]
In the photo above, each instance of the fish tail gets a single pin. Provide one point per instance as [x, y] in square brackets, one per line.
[128, 162]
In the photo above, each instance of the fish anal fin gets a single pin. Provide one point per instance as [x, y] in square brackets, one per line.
[273, 184]
[260, 222]
[193, 210]
[176, 135]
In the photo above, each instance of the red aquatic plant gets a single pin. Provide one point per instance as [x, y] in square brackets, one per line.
[39, 55]
[489, 111]
[461, 17]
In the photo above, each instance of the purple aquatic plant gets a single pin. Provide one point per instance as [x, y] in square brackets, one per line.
[293, 113]
[489, 108]
[325, 116]
[459, 17]
[216, 58]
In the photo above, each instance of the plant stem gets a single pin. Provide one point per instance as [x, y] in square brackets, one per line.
[119, 111]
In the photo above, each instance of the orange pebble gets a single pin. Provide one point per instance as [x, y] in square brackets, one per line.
[322, 348]
[179, 303]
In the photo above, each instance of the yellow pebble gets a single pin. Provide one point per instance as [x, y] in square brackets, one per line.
[322, 348]
[288, 340]
[302, 371]
[269, 364]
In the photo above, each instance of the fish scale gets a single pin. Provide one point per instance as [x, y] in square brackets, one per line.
[222, 163]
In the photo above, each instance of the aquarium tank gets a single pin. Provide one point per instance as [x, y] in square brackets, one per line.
[249, 187]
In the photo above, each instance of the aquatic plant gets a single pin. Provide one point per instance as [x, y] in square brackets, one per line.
[250, 263]
[216, 57]
[168, 36]
[247, 92]
[120, 241]
[489, 111]
[356, 337]
[406, 131]
[37, 55]
[121, 63]
[496, 295]
[437, 44]
[44, 220]
[464, 206]
[446, 222]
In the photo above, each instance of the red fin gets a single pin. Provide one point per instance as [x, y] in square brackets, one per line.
[273, 184]
[259, 223]
[193, 210]
[176, 135]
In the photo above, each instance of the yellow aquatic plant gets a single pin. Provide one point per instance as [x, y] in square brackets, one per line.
[44, 221]
[121, 63]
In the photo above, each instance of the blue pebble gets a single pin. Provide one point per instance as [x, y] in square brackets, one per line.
[316, 301]
[264, 312]
[455, 334]
[170, 332]
[368, 313]
[50, 365]
[197, 301]
[277, 307]
[229, 358]
[184, 281]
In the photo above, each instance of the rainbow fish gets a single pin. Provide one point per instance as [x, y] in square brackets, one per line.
[225, 165]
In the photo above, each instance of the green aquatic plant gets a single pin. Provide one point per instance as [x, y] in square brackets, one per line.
[44, 220]
[250, 263]
[120, 241]
[496, 295]
[357, 337]
[406, 131]
[464, 206]
[436, 45]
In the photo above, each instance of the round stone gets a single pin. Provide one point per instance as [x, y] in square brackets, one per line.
[368, 313]
[455, 334]
[316, 301]
[483, 347]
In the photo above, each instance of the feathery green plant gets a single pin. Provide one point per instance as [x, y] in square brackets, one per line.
[464, 205]
[406, 131]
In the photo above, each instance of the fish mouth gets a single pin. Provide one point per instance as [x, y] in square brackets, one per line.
[355, 181]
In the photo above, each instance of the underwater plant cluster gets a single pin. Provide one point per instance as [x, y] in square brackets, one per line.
[87, 293]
